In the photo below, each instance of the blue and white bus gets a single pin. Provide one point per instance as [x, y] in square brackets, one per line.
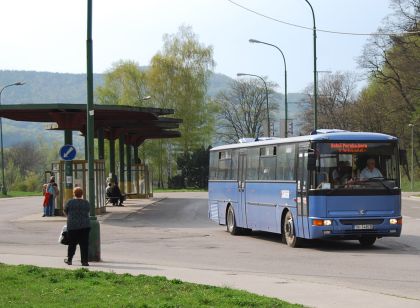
[309, 187]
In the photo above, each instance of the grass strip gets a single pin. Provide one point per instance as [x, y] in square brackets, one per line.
[32, 286]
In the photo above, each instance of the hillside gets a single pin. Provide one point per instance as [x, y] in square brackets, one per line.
[46, 87]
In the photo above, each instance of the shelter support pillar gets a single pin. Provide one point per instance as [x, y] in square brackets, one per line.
[101, 145]
[136, 154]
[112, 156]
[86, 147]
[121, 152]
[68, 173]
[128, 182]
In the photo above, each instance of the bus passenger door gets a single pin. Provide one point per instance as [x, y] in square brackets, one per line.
[242, 189]
[301, 223]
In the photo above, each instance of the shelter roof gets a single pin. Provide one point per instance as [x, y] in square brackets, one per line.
[136, 124]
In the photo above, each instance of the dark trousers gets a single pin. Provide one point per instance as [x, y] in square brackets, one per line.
[79, 237]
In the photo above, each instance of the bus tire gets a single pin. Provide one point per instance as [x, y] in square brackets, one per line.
[289, 231]
[231, 222]
[367, 241]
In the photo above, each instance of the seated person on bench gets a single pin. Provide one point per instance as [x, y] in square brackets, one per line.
[113, 193]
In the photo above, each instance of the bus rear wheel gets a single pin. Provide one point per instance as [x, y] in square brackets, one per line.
[289, 231]
[231, 222]
[367, 241]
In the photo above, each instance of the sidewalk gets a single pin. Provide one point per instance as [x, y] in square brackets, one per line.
[112, 212]
[411, 195]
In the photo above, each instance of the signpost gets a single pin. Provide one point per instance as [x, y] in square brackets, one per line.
[68, 152]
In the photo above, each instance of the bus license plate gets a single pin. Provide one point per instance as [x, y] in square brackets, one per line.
[363, 227]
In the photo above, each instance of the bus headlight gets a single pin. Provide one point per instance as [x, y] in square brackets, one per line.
[321, 222]
[395, 221]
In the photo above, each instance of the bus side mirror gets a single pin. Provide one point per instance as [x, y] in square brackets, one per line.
[403, 157]
[311, 161]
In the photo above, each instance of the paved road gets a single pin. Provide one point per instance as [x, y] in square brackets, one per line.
[174, 238]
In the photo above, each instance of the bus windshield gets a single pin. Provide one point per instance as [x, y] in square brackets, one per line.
[356, 165]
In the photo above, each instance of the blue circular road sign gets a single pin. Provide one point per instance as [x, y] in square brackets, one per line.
[68, 152]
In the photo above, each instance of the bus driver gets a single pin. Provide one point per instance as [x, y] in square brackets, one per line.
[370, 171]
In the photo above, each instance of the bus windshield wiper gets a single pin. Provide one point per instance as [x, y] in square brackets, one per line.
[380, 180]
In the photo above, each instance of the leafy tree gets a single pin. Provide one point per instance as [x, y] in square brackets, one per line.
[178, 79]
[26, 172]
[243, 110]
[392, 62]
[194, 170]
[124, 84]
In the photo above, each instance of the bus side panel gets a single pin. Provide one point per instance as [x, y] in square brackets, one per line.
[265, 202]
[220, 195]
[287, 199]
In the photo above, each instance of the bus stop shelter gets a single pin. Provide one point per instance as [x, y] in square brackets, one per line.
[130, 125]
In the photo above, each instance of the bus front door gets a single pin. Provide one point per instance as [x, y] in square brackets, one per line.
[242, 221]
[301, 221]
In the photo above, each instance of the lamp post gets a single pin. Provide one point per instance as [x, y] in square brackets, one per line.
[285, 80]
[266, 98]
[315, 72]
[412, 155]
[3, 188]
[94, 236]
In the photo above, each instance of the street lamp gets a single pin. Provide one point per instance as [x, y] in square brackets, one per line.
[94, 235]
[266, 98]
[412, 155]
[3, 188]
[315, 72]
[285, 80]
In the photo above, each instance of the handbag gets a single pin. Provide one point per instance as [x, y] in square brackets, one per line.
[64, 236]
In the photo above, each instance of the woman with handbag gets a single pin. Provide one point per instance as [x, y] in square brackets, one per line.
[78, 226]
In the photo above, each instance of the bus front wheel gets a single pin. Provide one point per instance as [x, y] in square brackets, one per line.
[289, 231]
[231, 222]
[367, 241]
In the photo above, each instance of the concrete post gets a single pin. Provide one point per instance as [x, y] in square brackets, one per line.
[128, 182]
[121, 153]
[101, 145]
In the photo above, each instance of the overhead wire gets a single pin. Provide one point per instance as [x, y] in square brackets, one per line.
[321, 30]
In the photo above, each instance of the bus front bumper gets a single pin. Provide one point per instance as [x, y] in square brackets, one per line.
[354, 228]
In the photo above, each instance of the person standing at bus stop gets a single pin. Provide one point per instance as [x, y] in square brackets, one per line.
[78, 226]
[52, 190]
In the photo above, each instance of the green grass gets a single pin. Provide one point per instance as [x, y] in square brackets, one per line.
[21, 194]
[406, 185]
[160, 190]
[32, 286]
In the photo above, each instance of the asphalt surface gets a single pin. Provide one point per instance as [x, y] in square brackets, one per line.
[174, 238]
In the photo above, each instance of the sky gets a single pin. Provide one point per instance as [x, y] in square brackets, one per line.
[50, 35]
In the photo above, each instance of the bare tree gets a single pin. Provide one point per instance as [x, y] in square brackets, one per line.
[243, 110]
[394, 60]
[336, 96]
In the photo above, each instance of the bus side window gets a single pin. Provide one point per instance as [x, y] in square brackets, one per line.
[267, 168]
[253, 163]
[286, 162]
[224, 170]
[213, 165]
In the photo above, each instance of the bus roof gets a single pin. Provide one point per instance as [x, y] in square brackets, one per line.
[322, 135]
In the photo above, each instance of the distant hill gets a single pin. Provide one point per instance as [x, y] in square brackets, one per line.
[47, 88]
